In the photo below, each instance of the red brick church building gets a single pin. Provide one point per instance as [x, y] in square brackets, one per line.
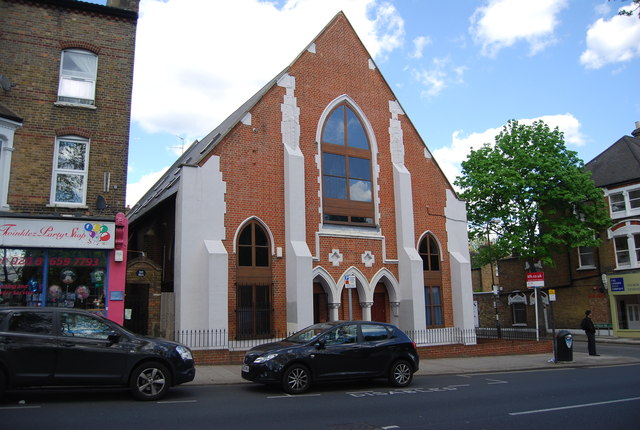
[316, 200]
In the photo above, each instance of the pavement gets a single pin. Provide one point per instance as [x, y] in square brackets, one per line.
[230, 373]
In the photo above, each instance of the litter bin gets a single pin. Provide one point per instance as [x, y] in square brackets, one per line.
[564, 346]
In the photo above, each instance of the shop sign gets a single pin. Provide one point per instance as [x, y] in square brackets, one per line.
[47, 233]
[625, 284]
[617, 284]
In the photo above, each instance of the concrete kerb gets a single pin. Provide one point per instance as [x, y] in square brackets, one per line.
[230, 373]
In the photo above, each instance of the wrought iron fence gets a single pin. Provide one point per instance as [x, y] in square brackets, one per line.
[220, 339]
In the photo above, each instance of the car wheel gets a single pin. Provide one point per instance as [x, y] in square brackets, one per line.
[401, 374]
[150, 381]
[296, 379]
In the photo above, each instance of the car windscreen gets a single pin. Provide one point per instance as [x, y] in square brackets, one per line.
[310, 333]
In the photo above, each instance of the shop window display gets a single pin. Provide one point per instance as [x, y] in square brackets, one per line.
[72, 278]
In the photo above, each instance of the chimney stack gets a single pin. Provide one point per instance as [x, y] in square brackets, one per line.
[636, 132]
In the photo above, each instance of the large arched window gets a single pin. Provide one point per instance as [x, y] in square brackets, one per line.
[346, 169]
[430, 253]
[253, 283]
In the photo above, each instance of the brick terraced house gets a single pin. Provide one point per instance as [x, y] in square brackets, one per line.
[66, 71]
[315, 200]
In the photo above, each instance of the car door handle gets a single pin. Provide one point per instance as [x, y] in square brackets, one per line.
[67, 344]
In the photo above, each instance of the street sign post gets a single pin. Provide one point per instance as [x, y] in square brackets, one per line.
[535, 280]
[350, 284]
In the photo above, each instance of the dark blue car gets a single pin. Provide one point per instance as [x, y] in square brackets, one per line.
[68, 347]
[334, 351]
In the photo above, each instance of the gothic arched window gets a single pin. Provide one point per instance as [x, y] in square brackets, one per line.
[346, 169]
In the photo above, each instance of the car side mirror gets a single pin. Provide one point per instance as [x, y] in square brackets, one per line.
[320, 344]
[113, 338]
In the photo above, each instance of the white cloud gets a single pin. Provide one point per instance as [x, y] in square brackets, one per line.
[198, 60]
[612, 41]
[136, 190]
[439, 76]
[450, 157]
[419, 44]
[503, 23]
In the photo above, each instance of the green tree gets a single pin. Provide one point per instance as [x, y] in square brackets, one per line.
[635, 6]
[531, 194]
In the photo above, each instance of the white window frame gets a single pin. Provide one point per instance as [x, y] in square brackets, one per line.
[69, 77]
[629, 231]
[61, 171]
[586, 250]
[7, 133]
[624, 192]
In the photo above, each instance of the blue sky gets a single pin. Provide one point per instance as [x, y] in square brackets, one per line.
[460, 69]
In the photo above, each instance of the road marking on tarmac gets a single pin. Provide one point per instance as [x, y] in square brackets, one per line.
[178, 401]
[284, 396]
[496, 381]
[584, 405]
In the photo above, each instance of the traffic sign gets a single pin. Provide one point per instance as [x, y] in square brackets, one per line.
[535, 279]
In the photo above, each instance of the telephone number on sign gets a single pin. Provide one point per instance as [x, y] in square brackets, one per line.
[55, 261]
[77, 261]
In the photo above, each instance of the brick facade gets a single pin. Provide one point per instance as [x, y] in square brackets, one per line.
[33, 36]
[255, 155]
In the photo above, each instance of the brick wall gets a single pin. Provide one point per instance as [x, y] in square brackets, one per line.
[33, 35]
[484, 348]
[252, 167]
[576, 291]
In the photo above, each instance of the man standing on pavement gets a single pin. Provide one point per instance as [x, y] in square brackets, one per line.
[590, 331]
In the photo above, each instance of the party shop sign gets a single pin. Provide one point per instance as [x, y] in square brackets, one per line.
[25, 232]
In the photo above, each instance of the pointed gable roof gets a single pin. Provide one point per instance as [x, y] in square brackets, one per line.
[168, 184]
[618, 164]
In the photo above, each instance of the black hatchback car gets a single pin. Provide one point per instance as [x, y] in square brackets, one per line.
[67, 347]
[334, 351]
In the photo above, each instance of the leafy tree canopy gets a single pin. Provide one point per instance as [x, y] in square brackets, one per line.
[530, 194]
[635, 6]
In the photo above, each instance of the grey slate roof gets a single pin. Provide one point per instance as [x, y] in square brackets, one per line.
[168, 184]
[618, 164]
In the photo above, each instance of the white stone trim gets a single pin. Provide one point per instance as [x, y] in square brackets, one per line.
[298, 263]
[460, 262]
[200, 232]
[7, 133]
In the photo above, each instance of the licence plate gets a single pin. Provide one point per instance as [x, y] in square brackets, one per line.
[245, 368]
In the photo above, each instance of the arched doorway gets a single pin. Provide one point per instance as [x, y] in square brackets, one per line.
[380, 307]
[253, 283]
[320, 304]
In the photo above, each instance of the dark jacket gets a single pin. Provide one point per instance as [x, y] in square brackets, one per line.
[587, 325]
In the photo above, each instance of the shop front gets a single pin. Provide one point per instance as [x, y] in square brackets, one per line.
[73, 263]
[624, 292]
